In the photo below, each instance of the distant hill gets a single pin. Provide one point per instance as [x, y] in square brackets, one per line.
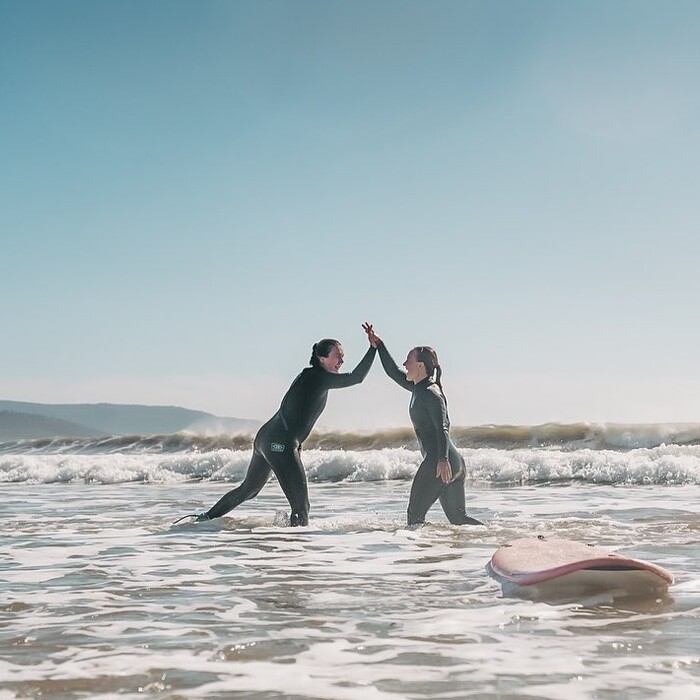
[24, 426]
[20, 420]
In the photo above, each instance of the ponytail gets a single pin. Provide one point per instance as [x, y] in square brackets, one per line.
[438, 377]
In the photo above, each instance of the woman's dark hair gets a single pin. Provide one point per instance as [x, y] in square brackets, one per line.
[322, 349]
[429, 358]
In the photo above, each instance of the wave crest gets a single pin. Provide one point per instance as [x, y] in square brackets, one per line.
[565, 436]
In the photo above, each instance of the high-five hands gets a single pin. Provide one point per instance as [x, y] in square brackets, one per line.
[374, 339]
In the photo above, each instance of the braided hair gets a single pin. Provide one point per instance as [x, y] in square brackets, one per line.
[322, 349]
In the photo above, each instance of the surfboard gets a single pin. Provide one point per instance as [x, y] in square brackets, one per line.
[538, 566]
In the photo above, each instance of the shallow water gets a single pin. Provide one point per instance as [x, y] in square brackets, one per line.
[104, 598]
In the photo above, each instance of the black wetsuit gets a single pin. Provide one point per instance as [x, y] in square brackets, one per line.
[276, 446]
[428, 412]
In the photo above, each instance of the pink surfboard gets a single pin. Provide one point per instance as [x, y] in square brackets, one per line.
[541, 565]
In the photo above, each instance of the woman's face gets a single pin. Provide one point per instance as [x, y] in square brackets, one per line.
[415, 371]
[334, 361]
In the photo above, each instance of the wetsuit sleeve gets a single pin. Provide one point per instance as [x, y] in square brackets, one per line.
[392, 369]
[437, 410]
[339, 381]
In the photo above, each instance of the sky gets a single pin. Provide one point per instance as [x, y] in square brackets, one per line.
[194, 192]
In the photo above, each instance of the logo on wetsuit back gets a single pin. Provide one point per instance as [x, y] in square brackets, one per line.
[276, 447]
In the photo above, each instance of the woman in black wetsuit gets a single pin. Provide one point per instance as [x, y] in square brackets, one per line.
[441, 473]
[277, 445]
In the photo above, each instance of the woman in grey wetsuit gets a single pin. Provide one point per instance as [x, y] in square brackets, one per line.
[278, 443]
[441, 473]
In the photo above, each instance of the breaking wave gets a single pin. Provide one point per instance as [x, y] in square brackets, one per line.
[666, 465]
[564, 436]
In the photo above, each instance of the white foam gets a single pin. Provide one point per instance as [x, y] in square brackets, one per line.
[663, 465]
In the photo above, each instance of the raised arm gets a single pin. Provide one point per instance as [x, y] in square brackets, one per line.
[390, 367]
[340, 381]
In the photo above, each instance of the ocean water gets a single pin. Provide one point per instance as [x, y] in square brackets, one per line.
[103, 597]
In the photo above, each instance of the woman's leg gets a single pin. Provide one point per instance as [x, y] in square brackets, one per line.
[452, 495]
[257, 475]
[452, 502]
[290, 473]
[425, 490]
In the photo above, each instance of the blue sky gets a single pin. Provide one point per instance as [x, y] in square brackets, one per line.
[192, 193]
